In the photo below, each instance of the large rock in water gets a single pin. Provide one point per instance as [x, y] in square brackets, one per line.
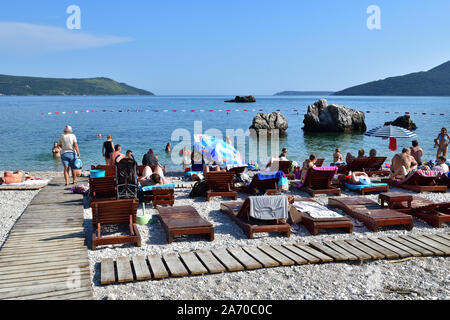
[270, 121]
[404, 122]
[247, 99]
[322, 117]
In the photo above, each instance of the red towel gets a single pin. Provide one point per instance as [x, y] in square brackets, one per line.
[393, 144]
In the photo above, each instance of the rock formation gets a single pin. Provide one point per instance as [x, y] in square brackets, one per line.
[269, 122]
[248, 99]
[404, 122]
[322, 117]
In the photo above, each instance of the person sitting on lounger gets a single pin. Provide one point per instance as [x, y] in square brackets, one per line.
[308, 164]
[349, 156]
[373, 153]
[403, 164]
[282, 157]
[214, 167]
[441, 166]
[417, 152]
[150, 178]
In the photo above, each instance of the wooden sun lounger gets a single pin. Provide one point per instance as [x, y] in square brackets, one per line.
[184, 220]
[110, 171]
[103, 189]
[285, 166]
[256, 186]
[356, 165]
[418, 183]
[115, 212]
[431, 212]
[314, 225]
[319, 182]
[366, 190]
[374, 167]
[220, 184]
[238, 211]
[319, 162]
[370, 213]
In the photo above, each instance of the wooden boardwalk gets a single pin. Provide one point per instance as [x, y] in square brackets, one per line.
[45, 256]
[139, 268]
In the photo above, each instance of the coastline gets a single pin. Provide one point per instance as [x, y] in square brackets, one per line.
[370, 280]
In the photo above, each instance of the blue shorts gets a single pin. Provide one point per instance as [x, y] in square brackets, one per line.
[68, 159]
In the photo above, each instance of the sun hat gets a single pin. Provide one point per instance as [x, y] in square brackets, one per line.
[68, 129]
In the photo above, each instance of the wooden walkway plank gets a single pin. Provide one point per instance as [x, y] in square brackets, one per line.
[249, 262]
[327, 250]
[26, 260]
[37, 281]
[227, 260]
[432, 243]
[424, 252]
[175, 266]
[191, 261]
[368, 250]
[277, 255]
[396, 244]
[157, 266]
[444, 235]
[290, 254]
[30, 292]
[401, 253]
[439, 239]
[124, 272]
[261, 257]
[421, 244]
[315, 253]
[358, 254]
[210, 261]
[302, 253]
[386, 252]
[140, 268]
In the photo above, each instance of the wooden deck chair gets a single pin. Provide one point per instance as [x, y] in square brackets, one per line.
[115, 212]
[184, 220]
[319, 162]
[371, 213]
[357, 165]
[318, 181]
[431, 212]
[315, 224]
[286, 166]
[239, 212]
[374, 166]
[258, 186]
[103, 189]
[419, 181]
[219, 184]
[110, 171]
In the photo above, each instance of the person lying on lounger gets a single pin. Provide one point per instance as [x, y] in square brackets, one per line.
[150, 178]
[16, 177]
[358, 178]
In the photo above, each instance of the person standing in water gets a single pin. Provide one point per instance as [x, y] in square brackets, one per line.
[108, 149]
[56, 150]
[168, 148]
[69, 151]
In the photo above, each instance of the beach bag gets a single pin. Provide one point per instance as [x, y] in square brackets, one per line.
[78, 164]
[283, 183]
[198, 190]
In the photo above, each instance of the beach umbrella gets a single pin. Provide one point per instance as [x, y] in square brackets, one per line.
[217, 150]
[391, 132]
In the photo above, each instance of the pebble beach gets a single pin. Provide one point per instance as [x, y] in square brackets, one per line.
[419, 278]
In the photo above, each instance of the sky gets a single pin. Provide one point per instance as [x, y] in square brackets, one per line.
[233, 47]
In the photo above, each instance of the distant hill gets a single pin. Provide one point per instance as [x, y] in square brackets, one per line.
[33, 86]
[435, 82]
[303, 93]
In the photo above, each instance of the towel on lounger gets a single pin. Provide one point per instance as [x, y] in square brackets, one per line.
[315, 210]
[269, 207]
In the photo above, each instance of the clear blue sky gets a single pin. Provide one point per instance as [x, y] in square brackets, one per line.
[224, 47]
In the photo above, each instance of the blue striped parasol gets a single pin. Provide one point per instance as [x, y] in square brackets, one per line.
[390, 132]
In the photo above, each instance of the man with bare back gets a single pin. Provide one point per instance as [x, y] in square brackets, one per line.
[402, 164]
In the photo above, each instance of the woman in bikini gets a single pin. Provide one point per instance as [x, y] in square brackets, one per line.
[442, 141]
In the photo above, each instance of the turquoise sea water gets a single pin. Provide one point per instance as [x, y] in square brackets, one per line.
[27, 136]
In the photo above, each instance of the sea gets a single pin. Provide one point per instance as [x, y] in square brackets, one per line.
[30, 125]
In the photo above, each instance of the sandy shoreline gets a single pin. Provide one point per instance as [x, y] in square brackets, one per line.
[424, 278]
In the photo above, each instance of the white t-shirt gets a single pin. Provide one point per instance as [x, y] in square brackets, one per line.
[444, 166]
[67, 141]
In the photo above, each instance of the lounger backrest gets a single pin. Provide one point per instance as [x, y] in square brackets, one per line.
[420, 179]
[110, 171]
[319, 162]
[375, 163]
[237, 170]
[219, 181]
[320, 177]
[357, 165]
[245, 210]
[101, 187]
[285, 166]
[114, 212]
[264, 184]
